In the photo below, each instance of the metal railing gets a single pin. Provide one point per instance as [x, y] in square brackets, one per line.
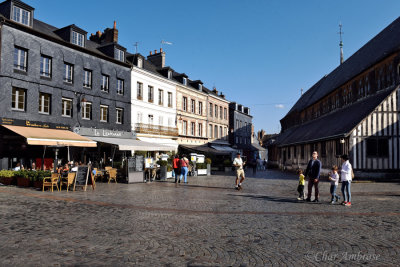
[156, 129]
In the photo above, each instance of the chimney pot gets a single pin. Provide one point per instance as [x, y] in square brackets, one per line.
[115, 24]
[151, 53]
[155, 51]
[160, 50]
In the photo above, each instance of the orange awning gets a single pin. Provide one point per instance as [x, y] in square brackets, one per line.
[51, 137]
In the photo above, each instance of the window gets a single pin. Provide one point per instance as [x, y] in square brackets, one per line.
[193, 106]
[18, 99]
[45, 66]
[150, 94]
[86, 110]
[220, 112]
[140, 63]
[119, 54]
[21, 15]
[377, 147]
[215, 131]
[200, 87]
[211, 109]
[68, 73]
[87, 78]
[225, 114]
[216, 111]
[139, 117]
[220, 132]
[103, 113]
[169, 99]
[150, 119]
[20, 59]
[160, 120]
[169, 74]
[77, 38]
[139, 90]
[184, 81]
[66, 107]
[192, 129]
[160, 97]
[104, 83]
[200, 129]
[184, 103]
[184, 128]
[210, 132]
[200, 108]
[120, 86]
[44, 103]
[120, 116]
[170, 122]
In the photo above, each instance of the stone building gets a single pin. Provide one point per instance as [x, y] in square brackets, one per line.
[353, 110]
[240, 125]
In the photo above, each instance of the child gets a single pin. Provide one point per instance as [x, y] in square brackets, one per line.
[334, 178]
[300, 187]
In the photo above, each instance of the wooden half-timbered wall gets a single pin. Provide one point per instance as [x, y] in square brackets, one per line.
[382, 124]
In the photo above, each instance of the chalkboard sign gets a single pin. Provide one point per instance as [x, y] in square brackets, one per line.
[139, 160]
[84, 177]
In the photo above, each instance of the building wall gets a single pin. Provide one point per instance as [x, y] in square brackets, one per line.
[241, 124]
[32, 82]
[146, 108]
[190, 117]
[217, 121]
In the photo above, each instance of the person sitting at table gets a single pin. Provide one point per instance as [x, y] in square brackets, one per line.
[75, 168]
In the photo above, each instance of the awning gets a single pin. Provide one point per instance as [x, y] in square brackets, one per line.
[131, 144]
[205, 149]
[51, 137]
[162, 141]
[223, 148]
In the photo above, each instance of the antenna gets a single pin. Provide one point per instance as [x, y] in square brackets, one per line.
[165, 42]
[341, 42]
[136, 44]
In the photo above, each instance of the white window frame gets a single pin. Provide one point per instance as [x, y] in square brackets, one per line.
[170, 99]
[120, 86]
[86, 111]
[193, 129]
[45, 66]
[140, 63]
[119, 54]
[184, 81]
[65, 102]
[21, 15]
[16, 95]
[20, 59]
[200, 108]
[169, 75]
[87, 78]
[184, 127]
[139, 117]
[78, 39]
[105, 83]
[200, 129]
[150, 93]
[119, 115]
[102, 115]
[193, 105]
[42, 103]
[68, 73]
[139, 90]
[184, 103]
[161, 97]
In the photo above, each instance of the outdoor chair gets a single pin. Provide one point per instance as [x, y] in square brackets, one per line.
[51, 181]
[69, 180]
[112, 175]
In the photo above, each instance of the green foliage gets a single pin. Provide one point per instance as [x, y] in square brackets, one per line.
[6, 173]
[21, 173]
[169, 168]
[42, 174]
[227, 163]
[201, 166]
[32, 175]
[141, 153]
[162, 162]
[208, 161]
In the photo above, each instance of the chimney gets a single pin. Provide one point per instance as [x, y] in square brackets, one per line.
[215, 90]
[108, 36]
[158, 59]
[151, 53]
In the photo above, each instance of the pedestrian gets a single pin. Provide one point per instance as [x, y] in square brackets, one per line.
[175, 166]
[334, 178]
[313, 172]
[238, 164]
[183, 164]
[302, 182]
[346, 177]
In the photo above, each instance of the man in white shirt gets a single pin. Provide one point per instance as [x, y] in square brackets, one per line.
[238, 164]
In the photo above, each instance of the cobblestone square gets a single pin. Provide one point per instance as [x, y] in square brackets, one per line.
[202, 223]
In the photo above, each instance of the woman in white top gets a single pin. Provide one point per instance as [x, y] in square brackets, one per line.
[346, 180]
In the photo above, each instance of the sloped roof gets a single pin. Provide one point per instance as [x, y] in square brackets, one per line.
[379, 47]
[335, 124]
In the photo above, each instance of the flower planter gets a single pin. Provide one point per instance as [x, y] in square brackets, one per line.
[23, 182]
[228, 169]
[163, 172]
[9, 181]
[202, 172]
[38, 184]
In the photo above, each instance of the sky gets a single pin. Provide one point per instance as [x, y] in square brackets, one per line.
[259, 53]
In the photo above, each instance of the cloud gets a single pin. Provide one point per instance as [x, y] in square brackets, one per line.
[279, 106]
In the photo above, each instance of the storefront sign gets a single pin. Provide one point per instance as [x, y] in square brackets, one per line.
[104, 133]
[36, 124]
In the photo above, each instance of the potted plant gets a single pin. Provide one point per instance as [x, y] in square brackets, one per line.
[7, 177]
[201, 168]
[227, 165]
[38, 179]
[163, 169]
[23, 178]
[208, 162]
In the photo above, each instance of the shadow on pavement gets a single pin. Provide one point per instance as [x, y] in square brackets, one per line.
[273, 199]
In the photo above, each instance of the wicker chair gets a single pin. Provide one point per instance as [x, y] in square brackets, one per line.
[112, 175]
[69, 180]
[51, 181]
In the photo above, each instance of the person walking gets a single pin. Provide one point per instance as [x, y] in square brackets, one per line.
[346, 177]
[175, 166]
[313, 172]
[184, 163]
[238, 164]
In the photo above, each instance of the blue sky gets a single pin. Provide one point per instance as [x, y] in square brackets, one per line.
[258, 53]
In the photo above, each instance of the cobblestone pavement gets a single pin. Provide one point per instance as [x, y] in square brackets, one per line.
[202, 223]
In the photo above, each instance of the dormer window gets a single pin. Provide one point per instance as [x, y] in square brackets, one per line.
[184, 81]
[169, 74]
[200, 86]
[77, 39]
[119, 55]
[21, 15]
[140, 63]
